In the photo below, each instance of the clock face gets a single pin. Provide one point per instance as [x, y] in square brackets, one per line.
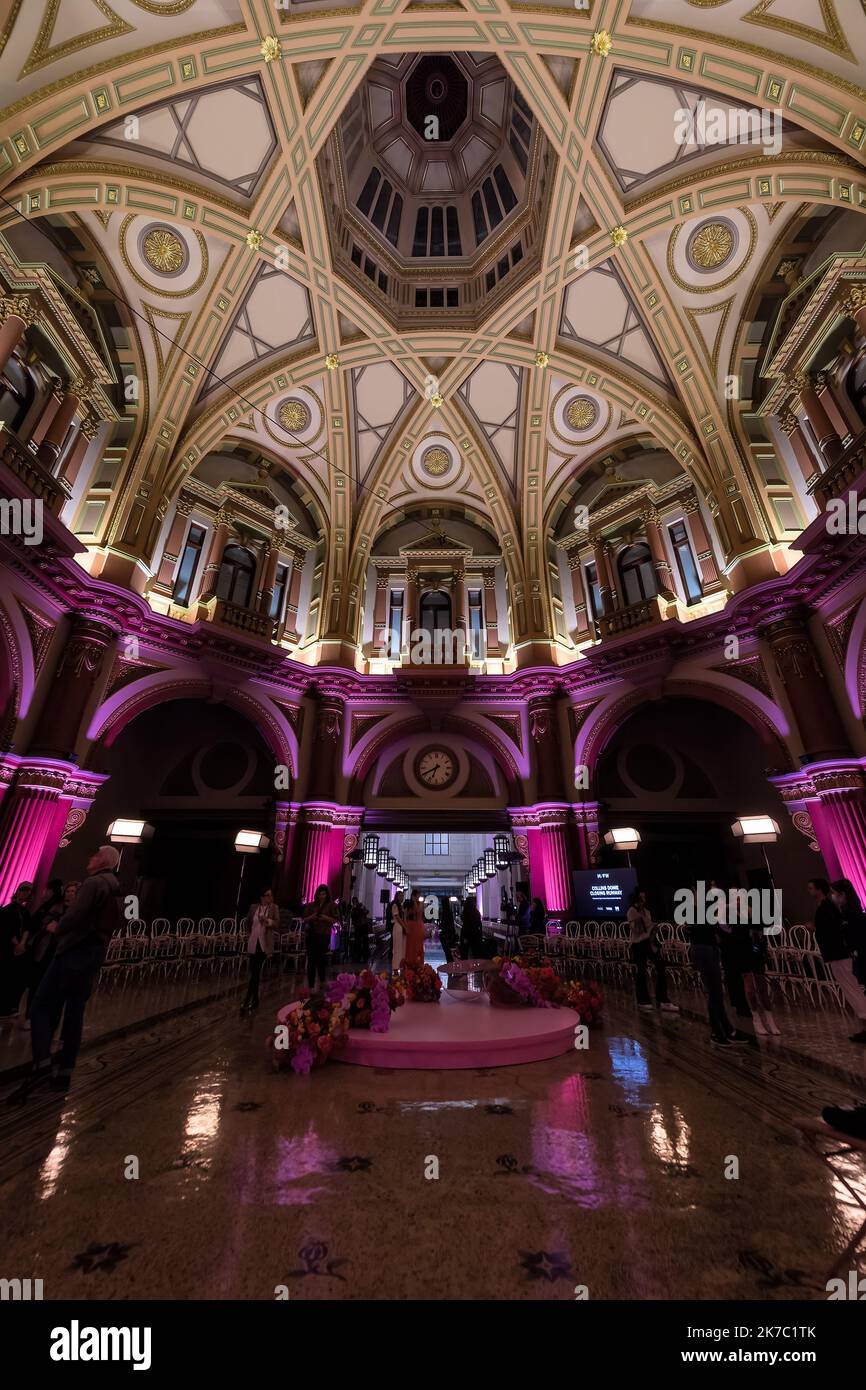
[436, 768]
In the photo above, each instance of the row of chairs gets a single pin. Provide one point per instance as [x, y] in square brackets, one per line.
[164, 949]
[794, 966]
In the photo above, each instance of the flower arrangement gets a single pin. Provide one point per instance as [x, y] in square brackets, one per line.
[511, 985]
[422, 984]
[368, 999]
[307, 1033]
[587, 1000]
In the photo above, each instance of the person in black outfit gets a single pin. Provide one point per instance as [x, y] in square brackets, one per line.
[522, 915]
[731, 955]
[360, 933]
[537, 918]
[82, 938]
[447, 929]
[703, 938]
[16, 926]
[836, 951]
[320, 918]
[853, 923]
[44, 941]
[471, 933]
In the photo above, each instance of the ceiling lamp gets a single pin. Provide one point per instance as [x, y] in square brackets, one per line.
[382, 857]
[371, 851]
[490, 869]
[500, 849]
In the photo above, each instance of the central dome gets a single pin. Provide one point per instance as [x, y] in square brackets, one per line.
[436, 87]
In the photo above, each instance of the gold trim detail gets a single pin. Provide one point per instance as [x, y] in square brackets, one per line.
[711, 354]
[294, 416]
[163, 250]
[712, 245]
[723, 284]
[42, 53]
[160, 289]
[436, 461]
[832, 38]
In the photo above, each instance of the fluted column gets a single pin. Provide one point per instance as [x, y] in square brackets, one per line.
[410, 607]
[269, 575]
[581, 614]
[843, 802]
[16, 316]
[557, 877]
[174, 542]
[87, 432]
[829, 442]
[664, 579]
[495, 646]
[601, 554]
[316, 851]
[291, 626]
[799, 446]
[711, 580]
[219, 541]
[30, 811]
[380, 643]
[52, 442]
[61, 720]
[826, 389]
[809, 695]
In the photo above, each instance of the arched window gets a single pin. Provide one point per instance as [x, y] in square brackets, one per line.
[637, 574]
[435, 611]
[17, 393]
[235, 582]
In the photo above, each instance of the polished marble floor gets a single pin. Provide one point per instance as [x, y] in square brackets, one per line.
[604, 1169]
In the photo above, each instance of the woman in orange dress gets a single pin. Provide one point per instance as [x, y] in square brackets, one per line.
[415, 930]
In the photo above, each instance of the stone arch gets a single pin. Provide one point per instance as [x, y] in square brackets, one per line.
[610, 714]
[120, 709]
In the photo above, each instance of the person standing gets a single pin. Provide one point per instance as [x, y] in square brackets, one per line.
[853, 923]
[836, 952]
[538, 918]
[471, 931]
[44, 940]
[707, 961]
[646, 950]
[398, 931]
[415, 931]
[732, 955]
[81, 941]
[522, 915]
[16, 926]
[263, 919]
[447, 929]
[360, 933]
[750, 946]
[320, 918]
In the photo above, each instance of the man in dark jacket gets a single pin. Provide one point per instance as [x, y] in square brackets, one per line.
[836, 952]
[16, 925]
[82, 938]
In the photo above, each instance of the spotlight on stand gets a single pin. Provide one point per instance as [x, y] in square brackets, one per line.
[625, 838]
[758, 830]
[247, 842]
[371, 850]
[128, 832]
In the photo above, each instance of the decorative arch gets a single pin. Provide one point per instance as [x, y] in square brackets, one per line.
[610, 714]
[120, 709]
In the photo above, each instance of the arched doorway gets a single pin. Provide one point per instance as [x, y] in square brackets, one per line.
[681, 771]
[198, 772]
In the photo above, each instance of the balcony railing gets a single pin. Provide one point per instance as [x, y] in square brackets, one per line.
[245, 620]
[840, 476]
[35, 477]
[636, 615]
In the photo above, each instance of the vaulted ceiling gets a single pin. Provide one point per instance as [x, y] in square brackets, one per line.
[217, 199]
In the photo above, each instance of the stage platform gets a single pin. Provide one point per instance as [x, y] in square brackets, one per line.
[459, 1033]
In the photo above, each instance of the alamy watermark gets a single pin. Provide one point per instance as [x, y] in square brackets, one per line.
[722, 125]
[713, 907]
[22, 517]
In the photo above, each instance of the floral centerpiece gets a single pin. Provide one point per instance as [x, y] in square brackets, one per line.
[307, 1033]
[422, 984]
[368, 999]
[586, 999]
[511, 986]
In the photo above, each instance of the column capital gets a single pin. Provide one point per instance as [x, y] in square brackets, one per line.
[855, 299]
[788, 421]
[183, 506]
[90, 427]
[18, 306]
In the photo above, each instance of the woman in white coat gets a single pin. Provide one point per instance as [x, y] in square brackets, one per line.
[398, 931]
[262, 920]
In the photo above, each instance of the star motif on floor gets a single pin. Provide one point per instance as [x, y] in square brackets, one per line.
[245, 1106]
[542, 1264]
[354, 1164]
[499, 1110]
[100, 1257]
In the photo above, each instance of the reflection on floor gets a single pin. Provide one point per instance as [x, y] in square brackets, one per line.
[604, 1169]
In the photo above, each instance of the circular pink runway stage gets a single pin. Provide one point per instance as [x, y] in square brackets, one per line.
[462, 1033]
